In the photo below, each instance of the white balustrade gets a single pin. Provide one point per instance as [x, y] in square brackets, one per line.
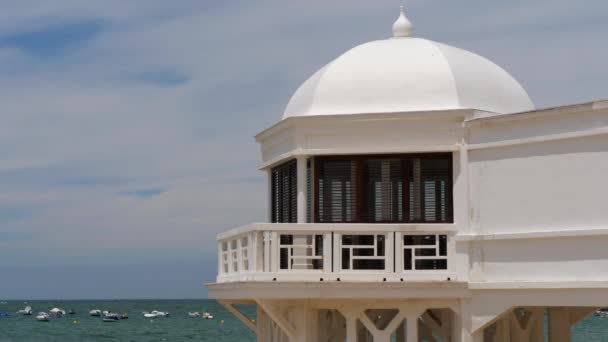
[296, 252]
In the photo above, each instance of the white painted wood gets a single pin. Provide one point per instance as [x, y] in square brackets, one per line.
[267, 255]
[274, 252]
[351, 328]
[239, 255]
[559, 325]
[527, 188]
[269, 195]
[342, 227]
[327, 252]
[279, 319]
[412, 327]
[244, 319]
[301, 188]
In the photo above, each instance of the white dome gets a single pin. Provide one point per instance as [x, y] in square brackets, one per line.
[408, 74]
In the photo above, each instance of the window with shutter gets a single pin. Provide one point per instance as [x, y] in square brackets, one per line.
[309, 193]
[336, 191]
[413, 188]
[383, 190]
[284, 193]
[430, 189]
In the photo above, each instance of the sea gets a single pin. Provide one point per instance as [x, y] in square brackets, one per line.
[177, 327]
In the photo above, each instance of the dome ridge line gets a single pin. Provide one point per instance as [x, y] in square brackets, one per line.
[452, 74]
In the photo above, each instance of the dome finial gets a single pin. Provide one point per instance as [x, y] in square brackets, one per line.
[402, 27]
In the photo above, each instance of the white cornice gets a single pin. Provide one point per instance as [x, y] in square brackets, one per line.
[533, 235]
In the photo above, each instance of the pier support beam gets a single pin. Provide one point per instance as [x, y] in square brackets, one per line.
[559, 325]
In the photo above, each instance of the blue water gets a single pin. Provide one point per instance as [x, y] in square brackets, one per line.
[82, 327]
[177, 327]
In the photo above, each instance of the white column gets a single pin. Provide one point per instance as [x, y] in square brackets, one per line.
[327, 257]
[220, 261]
[301, 176]
[269, 194]
[559, 324]
[274, 251]
[239, 255]
[266, 239]
[412, 327]
[351, 328]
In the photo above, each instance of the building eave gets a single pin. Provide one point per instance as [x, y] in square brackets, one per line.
[338, 290]
[543, 112]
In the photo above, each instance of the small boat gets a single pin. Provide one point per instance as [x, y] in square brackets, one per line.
[27, 311]
[42, 317]
[194, 314]
[95, 312]
[207, 315]
[155, 314]
[161, 313]
[3, 314]
[71, 312]
[149, 314]
[603, 312]
[111, 317]
[56, 312]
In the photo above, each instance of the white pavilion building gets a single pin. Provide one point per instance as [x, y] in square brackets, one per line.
[416, 194]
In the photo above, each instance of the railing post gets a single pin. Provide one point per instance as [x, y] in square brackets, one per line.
[398, 252]
[327, 257]
[389, 252]
[239, 254]
[274, 252]
[220, 258]
[253, 251]
[229, 259]
[269, 194]
[337, 254]
[266, 251]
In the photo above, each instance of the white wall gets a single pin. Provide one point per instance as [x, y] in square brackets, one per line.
[541, 186]
[542, 260]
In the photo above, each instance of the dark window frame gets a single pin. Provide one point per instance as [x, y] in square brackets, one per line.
[284, 193]
[407, 160]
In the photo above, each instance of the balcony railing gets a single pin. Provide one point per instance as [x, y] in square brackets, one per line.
[337, 252]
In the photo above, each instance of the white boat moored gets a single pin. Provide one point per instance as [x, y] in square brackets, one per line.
[42, 316]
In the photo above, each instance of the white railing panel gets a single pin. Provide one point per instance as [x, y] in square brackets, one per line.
[392, 254]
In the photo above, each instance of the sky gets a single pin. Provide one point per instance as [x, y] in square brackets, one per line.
[126, 127]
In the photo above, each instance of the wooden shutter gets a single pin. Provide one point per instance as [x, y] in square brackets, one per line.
[430, 188]
[337, 191]
[284, 205]
[383, 190]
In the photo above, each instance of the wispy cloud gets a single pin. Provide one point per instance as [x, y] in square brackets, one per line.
[53, 40]
[145, 193]
[126, 126]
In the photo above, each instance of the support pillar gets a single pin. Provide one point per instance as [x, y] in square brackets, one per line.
[559, 325]
[412, 328]
[301, 188]
[401, 333]
[463, 325]
[306, 324]
[351, 328]
[269, 194]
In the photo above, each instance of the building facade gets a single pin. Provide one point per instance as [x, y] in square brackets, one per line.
[416, 194]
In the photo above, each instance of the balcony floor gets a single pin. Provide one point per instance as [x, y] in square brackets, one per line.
[338, 290]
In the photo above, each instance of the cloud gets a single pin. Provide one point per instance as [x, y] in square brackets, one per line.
[53, 40]
[127, 125]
